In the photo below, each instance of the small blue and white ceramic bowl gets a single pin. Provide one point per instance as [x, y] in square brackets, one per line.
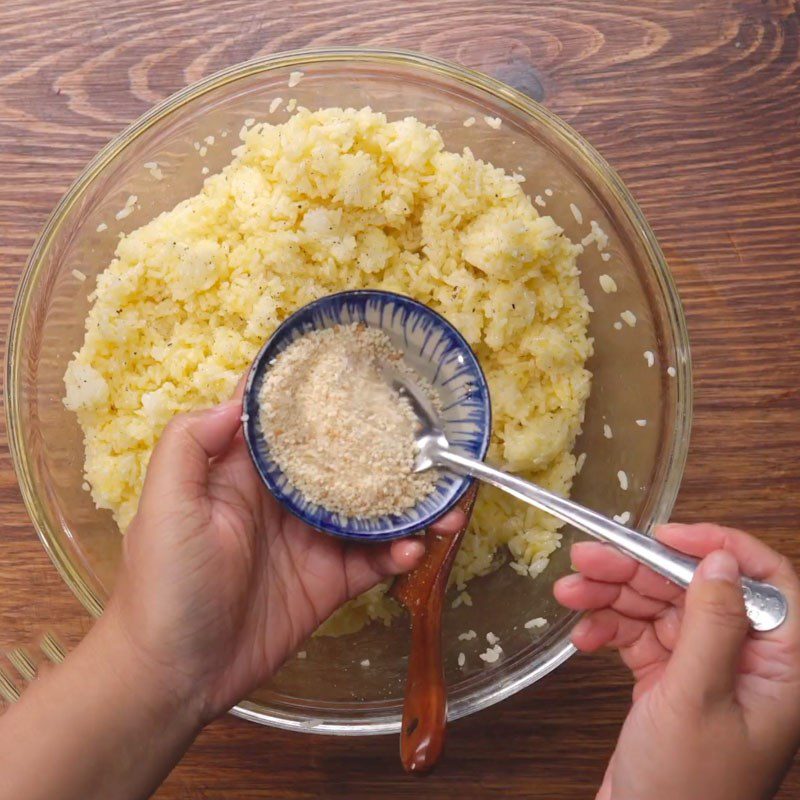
[433, 347]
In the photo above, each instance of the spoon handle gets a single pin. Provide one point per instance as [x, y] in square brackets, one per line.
[765, 605]
[422, 591]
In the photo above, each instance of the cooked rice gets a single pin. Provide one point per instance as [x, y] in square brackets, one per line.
[538, 622]
[608, 284]
[333, 200]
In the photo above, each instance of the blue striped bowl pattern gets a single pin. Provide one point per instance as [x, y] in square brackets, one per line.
[435, 349]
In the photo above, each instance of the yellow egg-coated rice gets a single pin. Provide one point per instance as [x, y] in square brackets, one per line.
[331, 200]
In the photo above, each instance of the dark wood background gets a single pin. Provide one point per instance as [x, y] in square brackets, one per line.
[697, 105]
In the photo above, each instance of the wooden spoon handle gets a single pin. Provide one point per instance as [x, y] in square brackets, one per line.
[425, 706]
[422, 592]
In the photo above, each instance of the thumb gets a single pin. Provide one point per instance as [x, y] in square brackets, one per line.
[706, 657]
[180, 460]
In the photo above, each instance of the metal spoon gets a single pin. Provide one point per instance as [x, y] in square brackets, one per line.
[765, 604]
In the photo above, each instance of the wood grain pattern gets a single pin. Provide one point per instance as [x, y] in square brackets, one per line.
[697, 105]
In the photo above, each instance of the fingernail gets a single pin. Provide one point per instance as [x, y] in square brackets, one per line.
[582, 628]
[414, 549]
[569, 580]
[720, 566]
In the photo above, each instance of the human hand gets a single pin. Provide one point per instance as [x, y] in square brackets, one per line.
[716, 706]
[220, 584]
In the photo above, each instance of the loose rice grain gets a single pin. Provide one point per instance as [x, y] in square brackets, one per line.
[608, 284]
[537, 622]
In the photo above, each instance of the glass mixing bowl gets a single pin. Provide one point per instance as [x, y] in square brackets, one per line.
[329, 692]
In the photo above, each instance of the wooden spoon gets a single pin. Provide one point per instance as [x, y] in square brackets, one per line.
[422, 592]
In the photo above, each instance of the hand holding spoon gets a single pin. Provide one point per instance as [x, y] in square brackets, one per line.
[765, 605]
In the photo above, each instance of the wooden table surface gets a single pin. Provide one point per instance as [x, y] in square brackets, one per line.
[696, 104]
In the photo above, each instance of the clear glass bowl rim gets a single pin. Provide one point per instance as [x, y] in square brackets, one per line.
[524, 675]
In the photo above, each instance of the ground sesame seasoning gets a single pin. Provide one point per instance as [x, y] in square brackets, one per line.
[340, 433]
